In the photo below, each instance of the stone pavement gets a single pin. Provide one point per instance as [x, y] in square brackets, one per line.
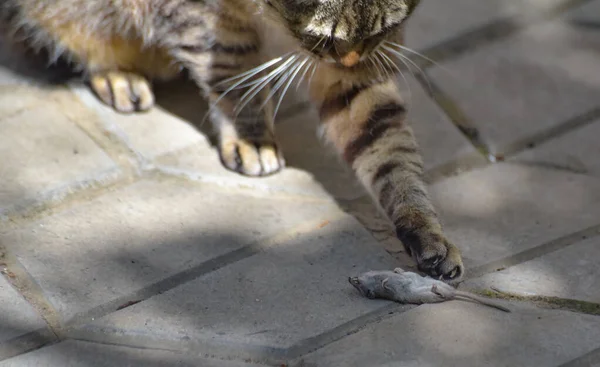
[124, 243]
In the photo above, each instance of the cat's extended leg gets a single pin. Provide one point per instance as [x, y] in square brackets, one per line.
[223, 45]
[366, 123]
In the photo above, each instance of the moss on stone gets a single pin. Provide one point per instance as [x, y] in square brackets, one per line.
[574, 305]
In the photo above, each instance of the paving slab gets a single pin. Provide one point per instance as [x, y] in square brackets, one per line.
[571, 273]
[437, 21]
[501, 210]
[465, 334]
[290, 294]
[533, 81]
[18, 317]
[577, 150]
[72, 353]
[44, 155]
[94, 254]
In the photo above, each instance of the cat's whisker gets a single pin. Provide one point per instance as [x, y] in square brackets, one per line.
[433, 62]
[317, 44]
[386, 57]
[408, 49]
[245, 76]
[410, 94]
[388, 61]
[312, 74]
[252, 72]
[311, 61]
[404, 59]
[262, 82]
[387, 73]
[280, 81]
[292, 71]
[370, 59]
[287, 86]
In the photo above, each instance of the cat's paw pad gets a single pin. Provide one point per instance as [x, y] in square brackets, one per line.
[125, 92]
[440, 259]
[251, 158]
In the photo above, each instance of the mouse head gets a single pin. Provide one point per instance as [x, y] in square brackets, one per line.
[370, 284]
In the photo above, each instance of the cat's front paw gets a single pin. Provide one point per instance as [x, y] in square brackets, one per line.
[251, 158]
[125, 92]
[435, 256]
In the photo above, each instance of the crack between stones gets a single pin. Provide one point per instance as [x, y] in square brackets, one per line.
[195, 272]
[535, 252]
[492, 32]
[589, 359]
[554, 132]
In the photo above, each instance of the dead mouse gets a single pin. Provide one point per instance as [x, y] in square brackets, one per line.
[408, 287]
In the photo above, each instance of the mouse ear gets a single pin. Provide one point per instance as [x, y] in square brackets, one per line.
[398, 270]
[384, 284]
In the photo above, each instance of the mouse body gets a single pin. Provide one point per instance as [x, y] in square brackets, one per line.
[408, 287]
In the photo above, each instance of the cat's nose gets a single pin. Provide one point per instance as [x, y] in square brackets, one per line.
[350, 59]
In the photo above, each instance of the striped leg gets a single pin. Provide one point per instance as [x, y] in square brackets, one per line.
[366, 125]
[215, 47]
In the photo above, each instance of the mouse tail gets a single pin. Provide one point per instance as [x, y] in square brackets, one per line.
[481, 300]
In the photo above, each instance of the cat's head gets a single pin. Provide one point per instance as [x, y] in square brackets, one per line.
[342, 31]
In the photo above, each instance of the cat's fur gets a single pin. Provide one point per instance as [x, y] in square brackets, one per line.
[121, 44]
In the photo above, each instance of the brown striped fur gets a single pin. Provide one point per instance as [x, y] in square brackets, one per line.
[123, 44]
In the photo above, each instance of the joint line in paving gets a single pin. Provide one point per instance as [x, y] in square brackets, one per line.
[587, 360]
[457, 116]
[185, 276]
[554, 132]
[492, 32]
[530, 254]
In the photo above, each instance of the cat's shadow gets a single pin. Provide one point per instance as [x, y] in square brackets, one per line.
[296, 130]
[296, 126]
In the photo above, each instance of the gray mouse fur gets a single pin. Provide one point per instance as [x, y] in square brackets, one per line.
[408, 287]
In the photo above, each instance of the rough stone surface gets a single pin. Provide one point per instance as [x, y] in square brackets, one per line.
[18, 317]
[83, 354]
[568, 273]
[465, 334]
[44, 155]
[577, 150]
[295, 290]
[129, 239]
[527, 83]
[504, 209]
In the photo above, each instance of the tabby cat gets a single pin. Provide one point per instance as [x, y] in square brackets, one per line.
[347, 49]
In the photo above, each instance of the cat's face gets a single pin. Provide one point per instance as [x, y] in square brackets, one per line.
[342, 31]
